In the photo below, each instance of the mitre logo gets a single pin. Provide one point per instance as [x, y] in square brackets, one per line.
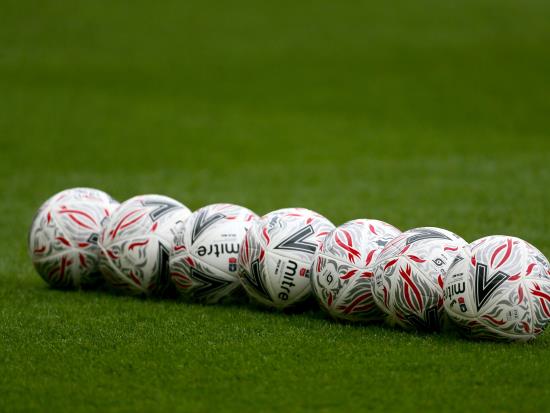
[218, 249]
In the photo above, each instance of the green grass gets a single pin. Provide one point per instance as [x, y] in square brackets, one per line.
[418, 113]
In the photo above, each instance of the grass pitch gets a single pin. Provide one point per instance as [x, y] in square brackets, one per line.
[419, 113]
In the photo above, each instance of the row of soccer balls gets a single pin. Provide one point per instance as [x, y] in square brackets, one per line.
[365, 270]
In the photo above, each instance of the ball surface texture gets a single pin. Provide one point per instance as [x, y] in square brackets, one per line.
[63, 237]
[203, 263]
[136, 243]
[498, 288]
[276, 256]
[409, 274]
[342, 270]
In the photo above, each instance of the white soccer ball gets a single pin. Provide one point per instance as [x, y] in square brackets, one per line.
[343, 269]
[277, 253]
[409, 274]
[498, 288]
[63, 237]
[136, 242]
[203, 262]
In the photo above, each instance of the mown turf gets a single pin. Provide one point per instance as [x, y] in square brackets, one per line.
[418, 113]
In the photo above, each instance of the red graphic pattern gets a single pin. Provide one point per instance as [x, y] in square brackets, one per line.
[406, 274]
[125, 222]
[493, 320]
[265, 234]
[507, 253]
[348, 275]
[354, 306]
[543, 298]
[348, 246]
[370, 255]
[138, 244]
[73, 213]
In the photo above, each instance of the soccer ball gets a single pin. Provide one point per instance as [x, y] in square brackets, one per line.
[276, 256]
[63, 237]
[342, 270]
[498, 288]
[136, 242]
[409, 274]
[203, 262]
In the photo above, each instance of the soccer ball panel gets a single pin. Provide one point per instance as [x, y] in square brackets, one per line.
[135, 260]
[251, 268]
[205, 252]
[200, 282]
[503, 283]
[455, 285]
[136, 243]
[277, 253]
[63, 237]
[155, 214]
[407, 295]
[68, 269]
[287, 279]
[342, 270]
[295, 233]
[409, 276]
[343, 290]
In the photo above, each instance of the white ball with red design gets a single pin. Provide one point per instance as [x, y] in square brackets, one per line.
[498, 288]
[343, 269]
[409, 274]
[203, 262]
[136, 242]
[276, 256]
[63, 237]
